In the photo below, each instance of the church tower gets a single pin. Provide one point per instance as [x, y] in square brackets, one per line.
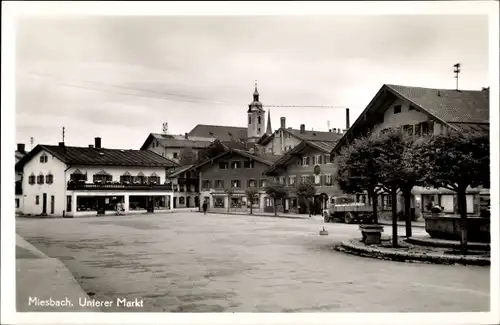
[256, 118]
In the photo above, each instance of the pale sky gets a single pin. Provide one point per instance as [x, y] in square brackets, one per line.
[120, 78]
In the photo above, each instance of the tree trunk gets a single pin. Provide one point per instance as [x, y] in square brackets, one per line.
[251, 205]
[275, 207]
[407, 200]
[374, 197]
[462, 210]
[394, 217]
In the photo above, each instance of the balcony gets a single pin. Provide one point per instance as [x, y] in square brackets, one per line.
[77, 186]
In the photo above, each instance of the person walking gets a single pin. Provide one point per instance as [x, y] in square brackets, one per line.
[205, 206]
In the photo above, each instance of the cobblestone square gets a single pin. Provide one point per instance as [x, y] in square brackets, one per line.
[190, 262]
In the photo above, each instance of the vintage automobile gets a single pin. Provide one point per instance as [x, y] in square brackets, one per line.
[345, 208]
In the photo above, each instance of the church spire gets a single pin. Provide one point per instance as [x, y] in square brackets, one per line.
[269, 130]
[256, 93]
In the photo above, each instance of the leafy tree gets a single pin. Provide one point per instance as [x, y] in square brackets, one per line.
[229, 192]
[307, 192]
[358, 170]
[457, 161]
[187, 157]
[276, 191]
[214, 149]
[252, 193]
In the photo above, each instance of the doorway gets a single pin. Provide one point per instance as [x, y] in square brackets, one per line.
[44, 203]
[188, 202]
[175, 202]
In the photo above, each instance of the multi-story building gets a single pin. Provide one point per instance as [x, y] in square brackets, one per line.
[421, 111]
[185, 186]
[285, 139]
[234, 170]
[78, 181]
[171, 146]
[308, 162]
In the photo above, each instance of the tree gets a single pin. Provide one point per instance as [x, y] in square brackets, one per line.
[307, 191]
[229, 192]
[276, 191]
[358, 170]
[252, 193]
[187, 157]
[457, 161]
[214, 149]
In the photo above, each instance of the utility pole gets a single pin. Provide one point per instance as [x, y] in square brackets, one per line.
[456, 71]
[63, 133]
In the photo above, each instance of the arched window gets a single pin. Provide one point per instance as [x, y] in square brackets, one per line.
[181, 200]
[49, 179]
[40, 179]
[32, 179]
[258, 119]
[140, 178]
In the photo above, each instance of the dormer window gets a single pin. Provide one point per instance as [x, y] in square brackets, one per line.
[44, 158]
[397, 109]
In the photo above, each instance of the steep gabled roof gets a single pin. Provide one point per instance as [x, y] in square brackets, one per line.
[263, 158]
[179, 170]
[84, 156]
[219, 132]
[461, 110]
[306, 135]
[325, 147]
[173, 141]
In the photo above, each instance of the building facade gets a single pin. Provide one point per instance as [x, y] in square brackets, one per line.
[78, 181]
[422, 111]
[310, 161]
[185, 186]
[234, 170]
[172, 146]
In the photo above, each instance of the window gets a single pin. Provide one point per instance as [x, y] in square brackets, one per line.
[317, 179]
[154, 179]
[262, 183]
[77, 175]
[44, 158]
[304, 179]
[49, 179]
[248, 164]
[258, 120]
[258, 130]
[249, 119]
[305, 161]
[320, 160]
[140, 178]
[31, 179]
[252, 183]
[175, 155]
[206, 184]
[219, 183]
[17, 203]
[281, 179]
[299, 162]
[39, 179]
[102, 176]
[417, 130]
[223, 165]
[235, 183]
[408, 130]
[427, 128]
[37, 199]
[386, 202]
[235, 164]
[328, 179]
[397, 109]
[181, 200]
[126, 177]
[291, 180]
[412, 108]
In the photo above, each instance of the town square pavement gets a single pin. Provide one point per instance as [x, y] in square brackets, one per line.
[190, 262]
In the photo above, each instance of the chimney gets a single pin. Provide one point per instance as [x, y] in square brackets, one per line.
[347, 122]
[283, 122]
[98, 143]
[91, 146]
[302, 128]
[185, 135]
[334, 130]
[61, 144]
[21, 148]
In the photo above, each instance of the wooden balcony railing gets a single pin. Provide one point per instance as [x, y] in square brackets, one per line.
[76, 186]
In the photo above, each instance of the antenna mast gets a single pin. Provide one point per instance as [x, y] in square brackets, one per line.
[63, 133]
[32, 140]
[456, 71]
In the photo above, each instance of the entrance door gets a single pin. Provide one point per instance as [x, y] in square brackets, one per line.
[151, 204]
[68, 203]
[101, 206]
[44, 203]
[175, 202]
[188, 201]
[196, 201]
[52, 203]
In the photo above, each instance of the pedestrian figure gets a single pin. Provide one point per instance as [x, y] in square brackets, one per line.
[205, 206]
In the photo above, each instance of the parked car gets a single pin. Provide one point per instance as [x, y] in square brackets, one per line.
[346, 209]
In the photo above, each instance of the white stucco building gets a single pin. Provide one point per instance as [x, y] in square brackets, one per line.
[79, 181]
